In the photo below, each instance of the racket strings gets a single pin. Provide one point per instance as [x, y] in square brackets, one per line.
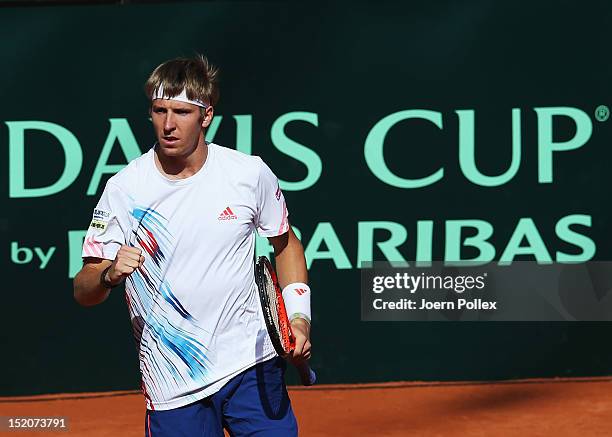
[273, 302]
[273, 308]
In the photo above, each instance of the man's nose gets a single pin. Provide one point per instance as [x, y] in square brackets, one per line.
[169, 124]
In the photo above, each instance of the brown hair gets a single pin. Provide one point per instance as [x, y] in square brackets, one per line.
[196, 75]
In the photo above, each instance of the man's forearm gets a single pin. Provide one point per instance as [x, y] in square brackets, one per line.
[291, 269]
[290, 262]
[88, 290]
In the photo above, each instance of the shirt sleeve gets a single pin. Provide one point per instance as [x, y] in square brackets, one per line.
[272, 215]
[109, 225]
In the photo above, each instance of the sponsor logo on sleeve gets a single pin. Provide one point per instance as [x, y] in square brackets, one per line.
[100, 219]
[100, 214]
[98, 224]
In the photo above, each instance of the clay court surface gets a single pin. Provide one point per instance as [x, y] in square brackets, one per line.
[549, 407]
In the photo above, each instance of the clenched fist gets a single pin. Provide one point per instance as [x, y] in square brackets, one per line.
[301, 331]
[127, 260]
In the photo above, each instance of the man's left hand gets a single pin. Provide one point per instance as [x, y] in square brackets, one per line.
[301, 331]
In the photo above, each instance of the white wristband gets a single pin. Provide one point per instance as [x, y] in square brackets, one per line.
[297, 300]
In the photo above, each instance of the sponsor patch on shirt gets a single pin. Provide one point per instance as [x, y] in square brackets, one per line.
[100, 214]
[98, 224]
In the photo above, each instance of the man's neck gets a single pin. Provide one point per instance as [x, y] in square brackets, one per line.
[181, 167]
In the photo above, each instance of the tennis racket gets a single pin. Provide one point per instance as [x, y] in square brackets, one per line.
[276, 318]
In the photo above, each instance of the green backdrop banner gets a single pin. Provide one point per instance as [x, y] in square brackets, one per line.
[437, 131]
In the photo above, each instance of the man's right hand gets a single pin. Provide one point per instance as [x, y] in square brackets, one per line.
[127, 260]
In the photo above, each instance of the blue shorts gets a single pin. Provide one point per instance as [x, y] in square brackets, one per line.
[253, 403]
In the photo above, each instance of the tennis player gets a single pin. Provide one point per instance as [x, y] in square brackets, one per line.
[177, 225]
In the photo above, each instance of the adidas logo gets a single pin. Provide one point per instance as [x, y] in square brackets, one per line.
[227, 214]
[300, 291]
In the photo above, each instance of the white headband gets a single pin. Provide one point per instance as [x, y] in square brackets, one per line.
[182, 97]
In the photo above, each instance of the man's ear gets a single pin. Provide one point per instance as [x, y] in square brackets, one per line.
[208, 116]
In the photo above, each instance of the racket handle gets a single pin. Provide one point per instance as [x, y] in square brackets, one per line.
[307, 375]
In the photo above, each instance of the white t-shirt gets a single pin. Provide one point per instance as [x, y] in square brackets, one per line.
[194, 306]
